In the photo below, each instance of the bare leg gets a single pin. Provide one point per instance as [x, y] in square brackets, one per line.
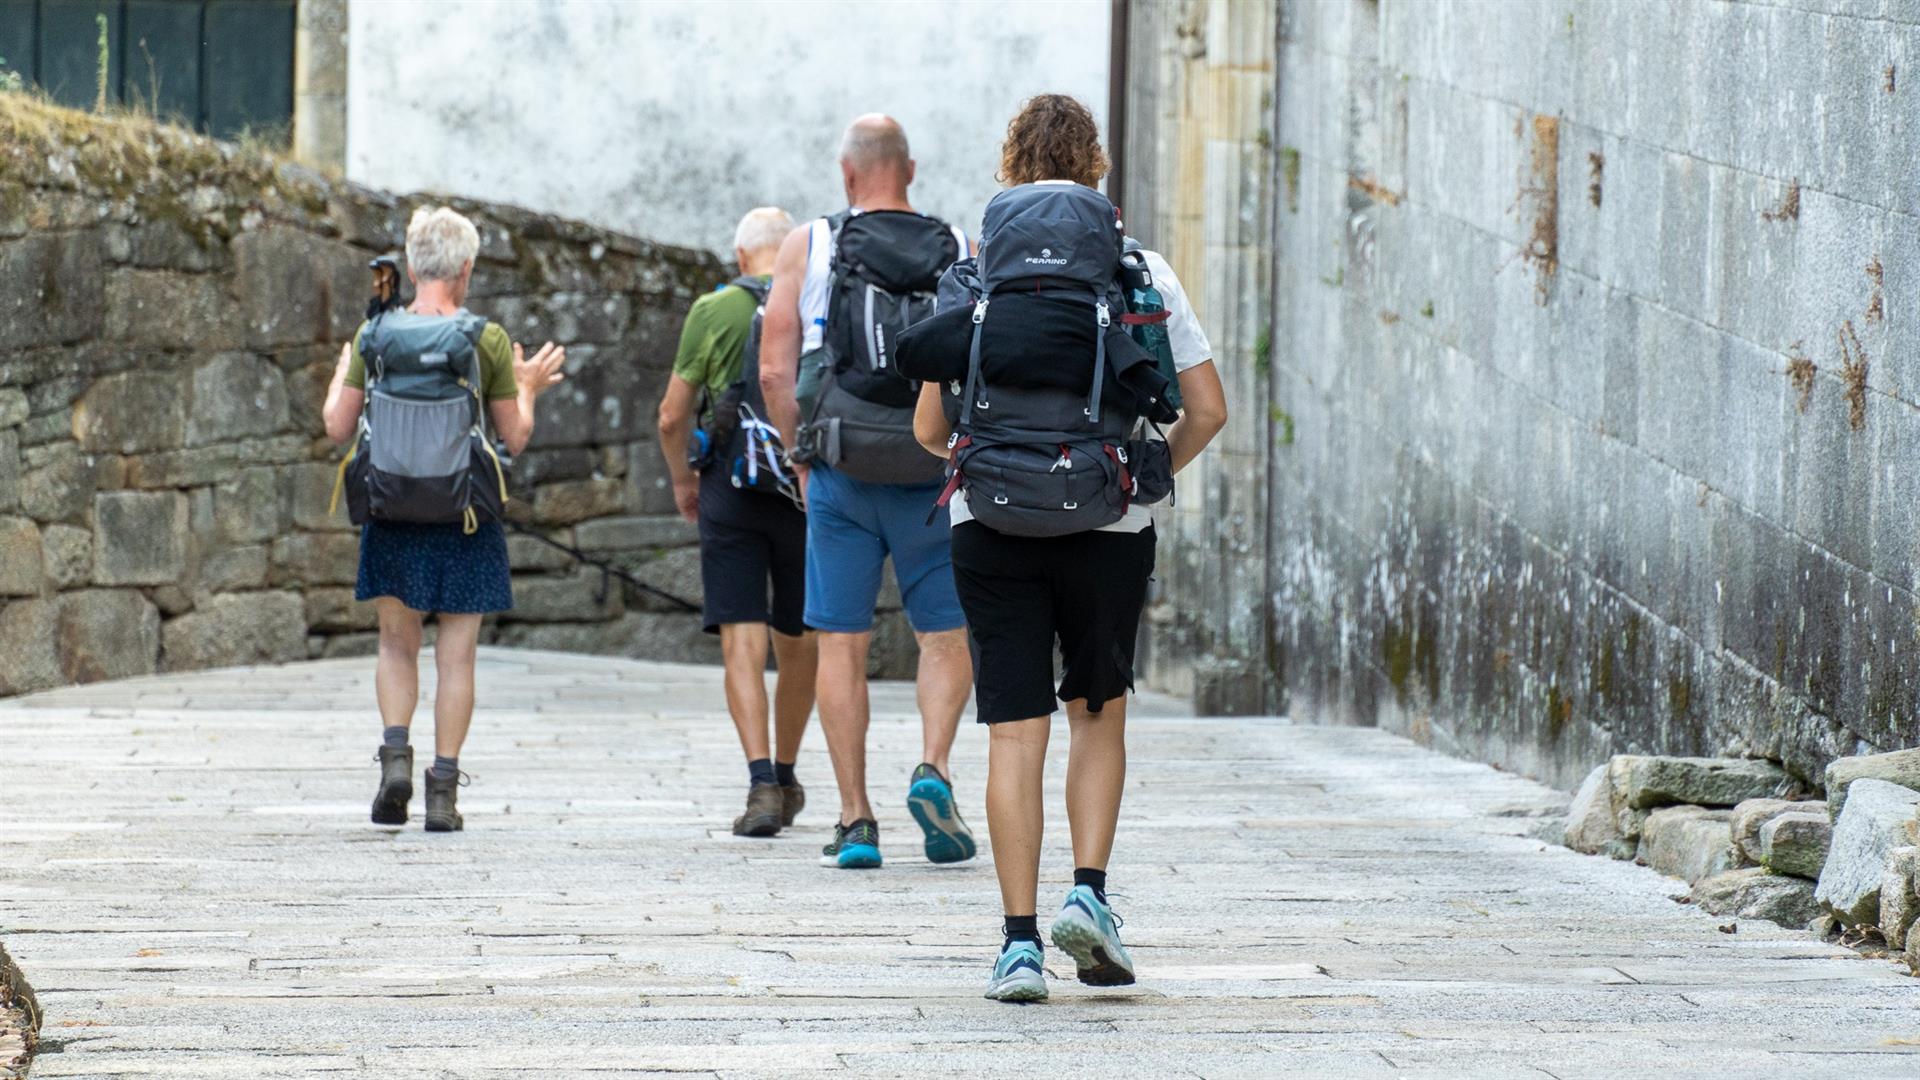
[945, 680]
[799, 662]
[743, 647]
[842, 689]
[1016, 764]
[453, 657]
[1096, 777]
[396, 673]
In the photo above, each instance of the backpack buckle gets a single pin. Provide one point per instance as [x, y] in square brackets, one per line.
[1070, 506]
[979, 312]
[1105, 316]
[999, 500]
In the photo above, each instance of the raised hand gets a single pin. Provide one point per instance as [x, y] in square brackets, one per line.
[541, 373]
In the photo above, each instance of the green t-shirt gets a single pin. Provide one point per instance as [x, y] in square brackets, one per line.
[714, 337]
[496, 364]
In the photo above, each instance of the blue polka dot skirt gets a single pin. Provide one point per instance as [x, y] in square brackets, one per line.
[436, 568]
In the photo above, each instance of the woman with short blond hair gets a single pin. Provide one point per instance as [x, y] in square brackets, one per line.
[457, 571]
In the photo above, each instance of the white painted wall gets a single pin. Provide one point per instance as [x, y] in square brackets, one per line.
[670, 118]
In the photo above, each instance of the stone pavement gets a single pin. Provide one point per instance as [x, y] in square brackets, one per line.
[188, 877]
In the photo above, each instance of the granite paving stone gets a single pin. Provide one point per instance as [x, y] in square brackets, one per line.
[188, 877]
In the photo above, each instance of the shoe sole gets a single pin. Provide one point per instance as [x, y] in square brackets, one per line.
[1018, 988]
[1075, 935]
[853, 857]
[390, 805]
[443, 825]
[763, 826]
[931, 804]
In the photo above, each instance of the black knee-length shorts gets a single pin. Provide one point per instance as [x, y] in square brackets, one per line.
[1024, 594]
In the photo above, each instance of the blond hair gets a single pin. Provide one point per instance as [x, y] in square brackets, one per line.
[440, 243]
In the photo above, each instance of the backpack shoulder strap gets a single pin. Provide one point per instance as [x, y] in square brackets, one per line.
[754, 285]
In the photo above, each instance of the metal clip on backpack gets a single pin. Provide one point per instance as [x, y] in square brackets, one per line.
[1042, 461]
[422, 453]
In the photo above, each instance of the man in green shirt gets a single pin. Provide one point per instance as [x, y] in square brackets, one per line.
[751, 544]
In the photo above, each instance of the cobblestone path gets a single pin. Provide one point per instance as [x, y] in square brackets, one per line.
[188, 877]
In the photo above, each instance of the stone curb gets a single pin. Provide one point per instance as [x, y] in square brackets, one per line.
[20, 1018]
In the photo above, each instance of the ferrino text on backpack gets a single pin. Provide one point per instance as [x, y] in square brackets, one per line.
[422, 453]
[735, 435]
[885, 267]
[1036, 459]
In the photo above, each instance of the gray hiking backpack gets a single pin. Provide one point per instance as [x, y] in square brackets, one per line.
[422, 453]
[857, 410]
[1034, 458]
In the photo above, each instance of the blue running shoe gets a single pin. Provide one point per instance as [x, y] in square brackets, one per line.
[1017, 975]
[1088, 930]
[854, 847]
[930, 801]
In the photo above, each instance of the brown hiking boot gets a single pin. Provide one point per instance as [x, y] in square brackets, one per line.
[396, 785]
[793, 799]
[443, 813]
[763, 812]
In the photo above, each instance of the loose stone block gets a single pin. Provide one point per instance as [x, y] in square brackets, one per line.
[1591, 825]
[1755, 893]
[1796, 844]
[140, 537]
[20, 557]
[237, 628]
[1898, 905]
[1873, 824]
[1749, 816]
[1647, 782]
[1688, 842]
[132, 412]
[1899, 767]
[66, 554]
[106, 634]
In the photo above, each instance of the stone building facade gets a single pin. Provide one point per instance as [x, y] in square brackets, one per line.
[1587, 424]
[171, 310]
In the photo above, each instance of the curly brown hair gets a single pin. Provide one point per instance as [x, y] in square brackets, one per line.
[1053, 137]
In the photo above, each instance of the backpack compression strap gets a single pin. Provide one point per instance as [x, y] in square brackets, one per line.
[1131, 319]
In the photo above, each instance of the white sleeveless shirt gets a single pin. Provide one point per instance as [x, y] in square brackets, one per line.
[813, 287]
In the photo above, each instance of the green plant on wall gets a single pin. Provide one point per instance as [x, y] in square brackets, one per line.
[9, 80]
[101, 67]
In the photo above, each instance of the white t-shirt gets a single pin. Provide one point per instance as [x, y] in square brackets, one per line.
[1190, 349]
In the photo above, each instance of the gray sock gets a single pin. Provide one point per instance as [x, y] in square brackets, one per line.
[444, 768]
[395, 737]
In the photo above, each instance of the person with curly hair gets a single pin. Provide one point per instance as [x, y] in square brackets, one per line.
[1083, 592]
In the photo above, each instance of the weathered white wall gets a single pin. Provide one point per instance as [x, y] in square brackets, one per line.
[668, 119]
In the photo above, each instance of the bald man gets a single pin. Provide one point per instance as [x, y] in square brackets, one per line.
[752, 543]
[843, 288]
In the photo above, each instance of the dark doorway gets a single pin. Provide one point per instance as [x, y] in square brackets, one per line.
[224, 67]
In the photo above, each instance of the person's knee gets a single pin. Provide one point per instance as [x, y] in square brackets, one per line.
[1020, 734]
[743, 645]
[400, 639]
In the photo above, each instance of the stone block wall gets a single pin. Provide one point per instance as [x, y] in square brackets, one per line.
[171, 309]
[1589, 427]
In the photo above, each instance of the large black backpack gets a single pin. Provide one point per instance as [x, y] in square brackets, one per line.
[885, 268]
[735, 435]
[422, 453]
[1035, 458]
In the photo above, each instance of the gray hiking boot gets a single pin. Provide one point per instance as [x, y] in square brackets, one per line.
[396, 785]
[443, 814]
[793, 799]
[763, 812]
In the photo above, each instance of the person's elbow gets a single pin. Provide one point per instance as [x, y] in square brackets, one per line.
[1210, 416]
[339, 428]
[669, 419]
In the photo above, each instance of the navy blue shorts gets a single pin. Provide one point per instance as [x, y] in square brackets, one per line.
[852, 527]
[753, 558]
[436, 568]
